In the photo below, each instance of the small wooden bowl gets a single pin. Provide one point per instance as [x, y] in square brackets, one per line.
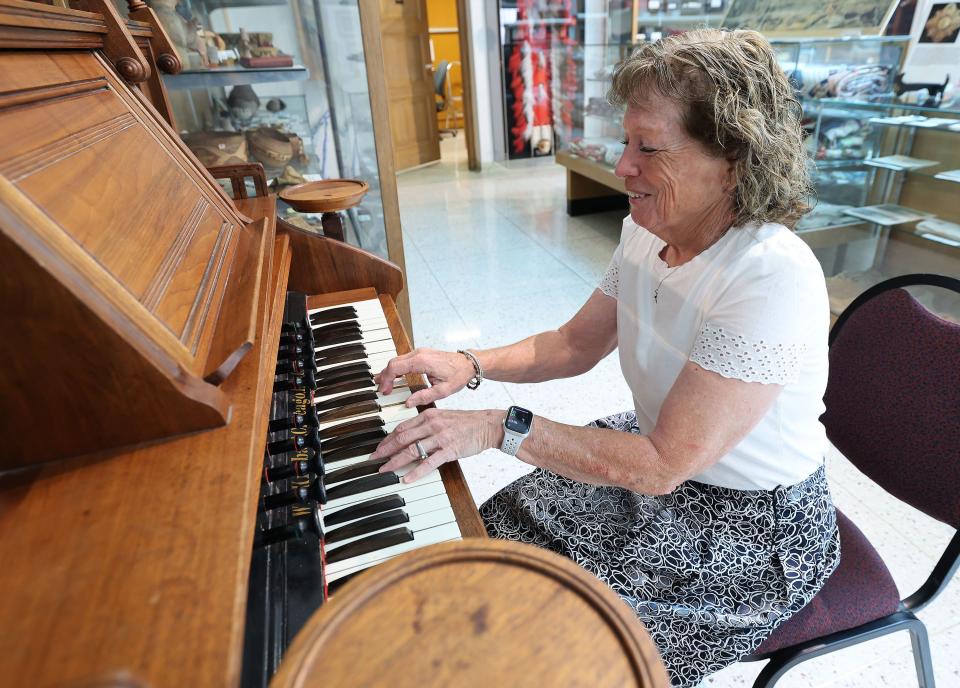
[327, 195]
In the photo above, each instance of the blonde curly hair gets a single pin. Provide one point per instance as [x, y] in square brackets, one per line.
[736, 101]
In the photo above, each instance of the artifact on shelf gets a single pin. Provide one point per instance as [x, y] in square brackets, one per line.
[843, 81]
[924, 94]
[290, 176]
[243, 102]
[274, 149]
[605, 151]
[178, 27]
[214, 148]
[276, 105]
[256, 49]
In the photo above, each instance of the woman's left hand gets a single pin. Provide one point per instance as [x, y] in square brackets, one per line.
[444, 435]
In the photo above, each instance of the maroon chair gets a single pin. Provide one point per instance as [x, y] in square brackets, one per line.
[893, 409]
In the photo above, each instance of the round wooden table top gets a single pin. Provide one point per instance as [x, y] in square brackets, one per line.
[324, 196]
[476, 612]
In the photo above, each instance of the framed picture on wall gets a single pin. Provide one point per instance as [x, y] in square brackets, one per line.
[789, 17]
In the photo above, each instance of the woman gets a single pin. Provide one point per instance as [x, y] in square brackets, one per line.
[706, 508]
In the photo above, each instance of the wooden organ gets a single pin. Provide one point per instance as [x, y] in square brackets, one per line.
[188, 414]
[147, 366]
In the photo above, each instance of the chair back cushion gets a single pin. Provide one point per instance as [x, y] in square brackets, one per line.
[893, 401]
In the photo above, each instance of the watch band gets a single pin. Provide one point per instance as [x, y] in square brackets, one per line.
[511, 442]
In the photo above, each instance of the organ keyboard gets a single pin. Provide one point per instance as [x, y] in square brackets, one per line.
[362, 517]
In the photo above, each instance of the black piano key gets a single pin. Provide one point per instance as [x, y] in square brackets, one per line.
[342, 337]
[367, 525]
[352, 452]
[322, 330]
[350, 427]
[367, 508]
[357, 470]
[349, 411]
[361, 485]
[353, 439]
[345, 400]
[339, 354]
[359, 382]
[369, 544]
[333, 315]
[342, 373]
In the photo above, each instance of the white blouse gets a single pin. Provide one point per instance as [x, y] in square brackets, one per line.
[753, 306]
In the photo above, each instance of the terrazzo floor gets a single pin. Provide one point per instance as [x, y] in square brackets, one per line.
[492, 257]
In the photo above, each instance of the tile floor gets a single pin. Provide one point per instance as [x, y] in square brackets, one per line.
[493, 257]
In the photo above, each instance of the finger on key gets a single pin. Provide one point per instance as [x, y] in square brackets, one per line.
[428, 465]
[429, 395]
[406, 433]
[404, 457]
[395, 368]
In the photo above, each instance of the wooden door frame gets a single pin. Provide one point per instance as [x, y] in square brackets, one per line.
[383, 143]
[470, 132]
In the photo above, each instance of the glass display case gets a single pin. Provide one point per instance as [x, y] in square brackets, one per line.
[282, 83]
[886, 172]
[657, 18]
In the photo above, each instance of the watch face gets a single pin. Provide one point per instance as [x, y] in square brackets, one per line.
[518, 419]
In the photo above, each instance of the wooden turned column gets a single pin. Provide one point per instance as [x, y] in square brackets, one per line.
[329, 197]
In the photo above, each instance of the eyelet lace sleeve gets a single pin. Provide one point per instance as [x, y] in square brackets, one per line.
[610, 284]
[735, 356]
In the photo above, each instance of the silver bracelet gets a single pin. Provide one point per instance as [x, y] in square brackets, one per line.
[477, 369]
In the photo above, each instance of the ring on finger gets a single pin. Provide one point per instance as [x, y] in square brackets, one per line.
[421, 450]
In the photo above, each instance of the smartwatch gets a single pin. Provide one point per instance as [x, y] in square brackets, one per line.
[516, 426]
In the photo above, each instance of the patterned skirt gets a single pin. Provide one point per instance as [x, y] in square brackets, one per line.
[710, 571]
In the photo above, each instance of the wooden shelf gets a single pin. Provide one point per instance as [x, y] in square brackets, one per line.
[232, 76]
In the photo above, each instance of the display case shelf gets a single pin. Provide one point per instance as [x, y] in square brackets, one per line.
[232, 76]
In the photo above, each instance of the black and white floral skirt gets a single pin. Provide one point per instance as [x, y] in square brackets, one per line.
[710, 571]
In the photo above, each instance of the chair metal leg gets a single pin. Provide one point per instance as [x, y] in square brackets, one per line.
[781, 661]
[921, 655]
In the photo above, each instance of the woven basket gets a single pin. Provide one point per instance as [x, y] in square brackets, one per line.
[218, 147]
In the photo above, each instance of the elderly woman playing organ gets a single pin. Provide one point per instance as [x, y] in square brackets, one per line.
[705, 507]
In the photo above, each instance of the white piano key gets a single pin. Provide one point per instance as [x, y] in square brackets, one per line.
[429, 486]
[398, 384]
[376, 362]
[422, 538]
[391, 414]
[366, 338]
[376, 322]
[417, 522]
[420, 506]
[402, 471]
[396, 488]
[364, 309]
[385, 400]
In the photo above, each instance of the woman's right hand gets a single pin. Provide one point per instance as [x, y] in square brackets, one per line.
[447, 371]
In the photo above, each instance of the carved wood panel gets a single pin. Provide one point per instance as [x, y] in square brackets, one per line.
[107, 177]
